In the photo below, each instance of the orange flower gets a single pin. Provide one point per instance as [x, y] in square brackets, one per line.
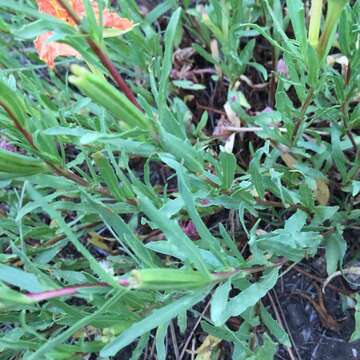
[49, 51]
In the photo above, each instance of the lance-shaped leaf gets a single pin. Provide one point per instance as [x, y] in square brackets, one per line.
[13, 164]
[10, 298]
[12, 104]
[156, 318]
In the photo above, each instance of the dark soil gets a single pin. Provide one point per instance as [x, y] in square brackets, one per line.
[318, 332]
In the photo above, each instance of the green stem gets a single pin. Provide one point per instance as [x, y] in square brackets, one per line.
[301, 120]
[56, 169]
[343, 109]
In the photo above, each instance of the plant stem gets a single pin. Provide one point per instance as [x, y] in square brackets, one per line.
[346, 126]
[17, 124]
[301, 120]
[71, 290]
[103, 57]
[57, 170]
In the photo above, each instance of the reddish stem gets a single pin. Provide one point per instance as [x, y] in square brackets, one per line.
[17, 124]
[105, 60]
[72, 290]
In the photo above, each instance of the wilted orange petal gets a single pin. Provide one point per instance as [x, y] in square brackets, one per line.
[79, 7]
[49, 51]
[110, 19]
[53, 8]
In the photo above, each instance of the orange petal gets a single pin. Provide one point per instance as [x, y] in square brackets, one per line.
[110, 18]
[49, 51]
[114, 21]
[53, 8]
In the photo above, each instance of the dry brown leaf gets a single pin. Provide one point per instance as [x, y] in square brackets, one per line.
[206, 349]
[214, 47]
[235, 121]
[339, 59]
[288, 160]
[322, 193]
[100, 242]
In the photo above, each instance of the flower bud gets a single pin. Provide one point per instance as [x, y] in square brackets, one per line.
[98, 89]
[172, 279]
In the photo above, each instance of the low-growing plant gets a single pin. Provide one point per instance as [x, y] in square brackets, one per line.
[110, 184]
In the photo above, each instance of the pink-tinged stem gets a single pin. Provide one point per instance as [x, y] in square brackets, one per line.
[71, 290]
[103, 57]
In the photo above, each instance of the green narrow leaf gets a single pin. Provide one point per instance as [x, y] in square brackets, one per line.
[336, 151]
[140, 346]
[228, 335]
[228, 164]
[123, 232]
[297, 15]
[20, 278]
[10, 297]
[161, 333]
[183, 151]
[274, 327]
[92, 26]
[167, 59]
[356, 334]
[160, 10]
[12, 103]
[219, 302]
[20, 165]
[53, 342]
[211, 242]
[279, 29]
[250, 296]
[256, 177]
[107, 174]
[230, 243]
[267, 350]
[94, 264]
[156, 318]
[173, 233]
[335, 248]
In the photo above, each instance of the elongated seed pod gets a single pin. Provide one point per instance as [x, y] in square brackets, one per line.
[335, 8]
[103, 93]
[162, 279]
[315, 22]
